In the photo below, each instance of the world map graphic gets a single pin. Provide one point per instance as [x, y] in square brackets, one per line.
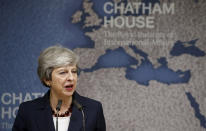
[156, 86]
[145, 72]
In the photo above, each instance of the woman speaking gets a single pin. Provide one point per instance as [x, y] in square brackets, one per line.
[61, 108]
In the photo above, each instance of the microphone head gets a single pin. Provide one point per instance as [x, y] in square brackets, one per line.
[79, 106]
[59, 104]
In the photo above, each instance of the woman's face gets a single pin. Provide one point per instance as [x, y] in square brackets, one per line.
[64, 80]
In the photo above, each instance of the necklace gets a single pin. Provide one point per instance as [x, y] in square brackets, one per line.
[67, 113]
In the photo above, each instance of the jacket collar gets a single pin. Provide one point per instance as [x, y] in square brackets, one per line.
[43, 114]
[76, 117]
[45, 119]
[45, 103]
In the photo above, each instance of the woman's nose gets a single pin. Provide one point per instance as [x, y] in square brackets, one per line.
[70, 76]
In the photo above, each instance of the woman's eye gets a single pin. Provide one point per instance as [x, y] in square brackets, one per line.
[62, 73]
[74, 71]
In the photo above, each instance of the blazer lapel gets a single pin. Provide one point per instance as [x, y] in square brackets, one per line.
[43, 115]
[44, 120]
[75, 120]
[76, 117]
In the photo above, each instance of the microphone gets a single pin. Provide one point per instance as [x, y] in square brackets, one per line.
[59, 104]
[80, 107]
[58, 107]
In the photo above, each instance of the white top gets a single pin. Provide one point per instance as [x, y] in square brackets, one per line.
[63, 123]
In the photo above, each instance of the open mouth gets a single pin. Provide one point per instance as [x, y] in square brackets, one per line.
[69, 87]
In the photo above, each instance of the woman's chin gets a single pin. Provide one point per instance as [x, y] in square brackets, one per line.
[68, 93]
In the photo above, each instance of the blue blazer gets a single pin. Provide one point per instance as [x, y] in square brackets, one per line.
[36, 115]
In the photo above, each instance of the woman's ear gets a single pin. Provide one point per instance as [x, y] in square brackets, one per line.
[47, 82]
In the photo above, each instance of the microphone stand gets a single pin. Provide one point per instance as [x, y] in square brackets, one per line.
[83, 120]
[58, 107]
[57, 120]
[79, 106]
